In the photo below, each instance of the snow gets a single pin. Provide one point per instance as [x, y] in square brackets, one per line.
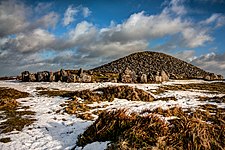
[54, 130]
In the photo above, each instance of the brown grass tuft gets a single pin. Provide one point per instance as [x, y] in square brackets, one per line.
[214, 87]
[191, 130]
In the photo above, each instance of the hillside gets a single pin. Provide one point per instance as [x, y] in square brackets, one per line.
[152, 62]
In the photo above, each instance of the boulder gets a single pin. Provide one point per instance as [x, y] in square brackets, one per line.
[80, 72]
[127, 76]
[207, 77]
[164, 76]
[43, 76]
[85, 78]
[52, 77]
[72, 78]
[63, 75]
[25, 76]
[143, 78]
[220, 77]
[158, 78]
[32, 77]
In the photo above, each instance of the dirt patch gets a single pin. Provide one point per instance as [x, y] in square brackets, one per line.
[191, 130]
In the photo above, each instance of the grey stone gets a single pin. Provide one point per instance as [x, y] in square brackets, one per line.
[127, 76]
[144, 78]
[25, 76]
[164, 76]
[32, 77]
[43, 76]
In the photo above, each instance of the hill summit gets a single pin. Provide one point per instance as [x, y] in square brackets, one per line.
[152, 62]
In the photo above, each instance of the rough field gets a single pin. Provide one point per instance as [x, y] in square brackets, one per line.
[182, 114]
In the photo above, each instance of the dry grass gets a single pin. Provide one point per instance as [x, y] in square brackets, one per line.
[104, 94]
[8, 93]
[15, 120]
[5, 140]
[191, 130]
[215, 99]
[215, 87]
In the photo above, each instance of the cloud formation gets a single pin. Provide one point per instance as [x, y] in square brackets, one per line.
[71, 12]
[211, 62]
[69, 15]
[28, 40]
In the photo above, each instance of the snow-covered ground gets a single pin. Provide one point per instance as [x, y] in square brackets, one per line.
[54, 130]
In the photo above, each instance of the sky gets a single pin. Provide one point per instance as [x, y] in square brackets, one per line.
[72, 34]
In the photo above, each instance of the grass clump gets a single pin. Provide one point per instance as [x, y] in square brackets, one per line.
[190, 130]
[5, 140]
[214, 87]
[104, 94]
[9, 93]
[215, 99]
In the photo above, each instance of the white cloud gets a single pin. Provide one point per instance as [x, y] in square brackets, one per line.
[71, 12]
[42, 7]
[86, 12]
[69, 15]
[217, 19]
[12, 17]
[144, 27]
[211, 62]
[36, 40]
[49, 20]
[175, 6]
[186, 55]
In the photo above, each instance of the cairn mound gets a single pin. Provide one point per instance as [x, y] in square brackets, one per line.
[152, 62]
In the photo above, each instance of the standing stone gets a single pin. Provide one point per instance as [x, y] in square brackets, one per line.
[52, 77]
[207, 77]
[164, 76]
[85, 78]
[158, 78]
[126, 76]
[43, 76]
[32, 77]
[25, 76]
[63, 75]
[72, 78]
[144, 78]
[80, 72]
[220, 77]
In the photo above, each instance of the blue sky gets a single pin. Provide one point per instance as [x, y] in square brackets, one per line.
[50, 35]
